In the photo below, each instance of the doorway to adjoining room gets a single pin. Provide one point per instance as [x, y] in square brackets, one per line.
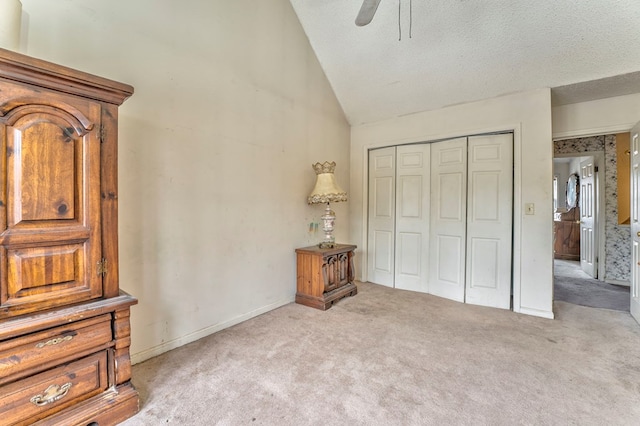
[592, 243]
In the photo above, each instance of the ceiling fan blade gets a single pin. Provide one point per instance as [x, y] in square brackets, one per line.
[367, 11]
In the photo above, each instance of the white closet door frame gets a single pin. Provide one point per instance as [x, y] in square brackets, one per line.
[413, 165]
[635, 223]
[448, 219]
[489, 220]
[381, 234]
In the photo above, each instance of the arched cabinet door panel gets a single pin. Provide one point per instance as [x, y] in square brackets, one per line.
[50, 206]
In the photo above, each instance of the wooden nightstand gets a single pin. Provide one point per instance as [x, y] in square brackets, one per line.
[325, 275]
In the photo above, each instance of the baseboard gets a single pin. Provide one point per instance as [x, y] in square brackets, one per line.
[618, 282]
[536, 312]
[192, 337]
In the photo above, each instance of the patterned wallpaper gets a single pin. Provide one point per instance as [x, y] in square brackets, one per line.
[617, 237]
[576, 146]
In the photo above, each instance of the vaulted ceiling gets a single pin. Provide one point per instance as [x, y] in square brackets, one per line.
[456, 51]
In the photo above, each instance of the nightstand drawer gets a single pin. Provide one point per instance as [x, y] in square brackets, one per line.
[38, 351]
[28, 400]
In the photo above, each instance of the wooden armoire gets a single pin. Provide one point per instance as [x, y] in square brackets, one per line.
[64, 323]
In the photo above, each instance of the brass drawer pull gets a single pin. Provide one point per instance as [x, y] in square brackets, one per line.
[55, 341]
[52, 394]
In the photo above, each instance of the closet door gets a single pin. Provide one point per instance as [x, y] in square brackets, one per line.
[412, 217]
[489, 220]
[448, 218]
[381, 250]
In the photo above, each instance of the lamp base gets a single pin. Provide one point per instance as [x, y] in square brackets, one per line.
[324, 244]
[328, 220]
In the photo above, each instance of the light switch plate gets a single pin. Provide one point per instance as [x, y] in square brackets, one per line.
[529, 208]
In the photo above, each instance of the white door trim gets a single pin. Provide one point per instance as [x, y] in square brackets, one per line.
[597, 131]
[634, 297]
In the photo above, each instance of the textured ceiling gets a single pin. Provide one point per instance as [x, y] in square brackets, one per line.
[466, 50]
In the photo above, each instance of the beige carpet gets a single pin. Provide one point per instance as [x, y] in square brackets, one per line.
[391, 357]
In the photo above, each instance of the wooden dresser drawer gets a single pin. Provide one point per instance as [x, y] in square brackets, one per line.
[38, 351]
[28, 400]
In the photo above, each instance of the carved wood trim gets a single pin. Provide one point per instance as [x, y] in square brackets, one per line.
[24, 69]
[122, 335]
[15, 109]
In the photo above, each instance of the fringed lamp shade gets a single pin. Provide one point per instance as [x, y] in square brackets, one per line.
[326, 191]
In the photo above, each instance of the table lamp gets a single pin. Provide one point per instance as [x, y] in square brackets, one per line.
[326, 191]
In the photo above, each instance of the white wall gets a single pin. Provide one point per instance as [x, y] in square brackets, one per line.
[231, 109]
[529, 115]
[600, 117]
[574, 165]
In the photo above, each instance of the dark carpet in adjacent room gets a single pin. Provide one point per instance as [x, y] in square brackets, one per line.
[572, 285]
